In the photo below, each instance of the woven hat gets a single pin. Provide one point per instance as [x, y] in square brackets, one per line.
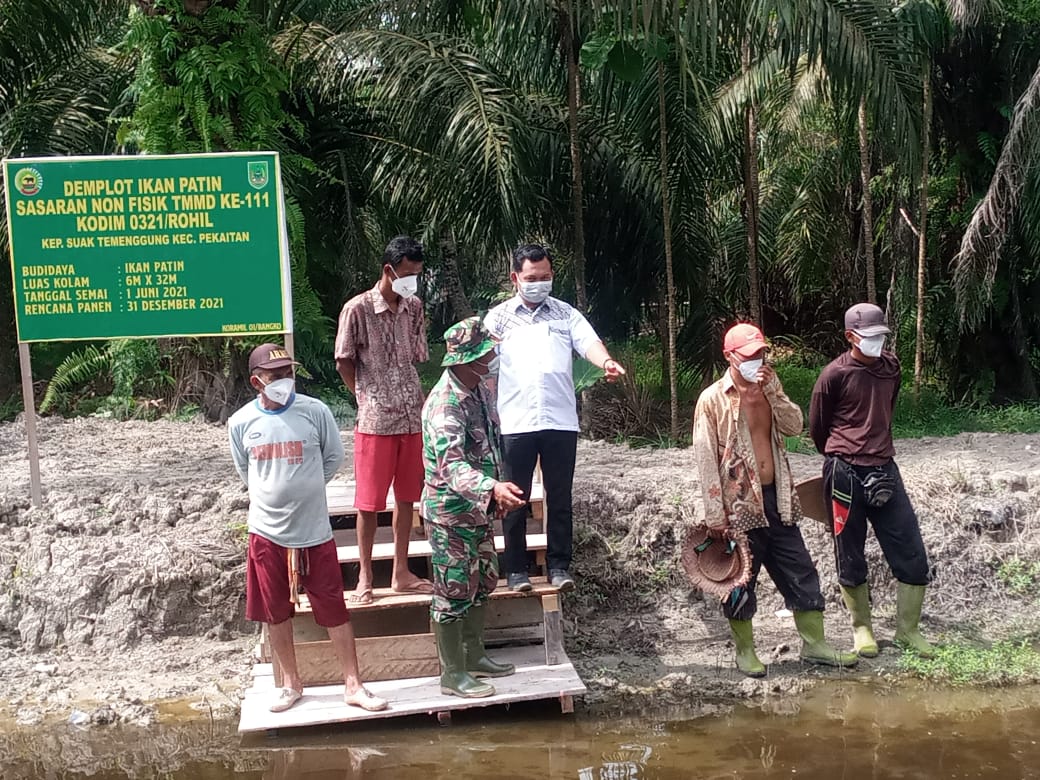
[812, 499]
[716, 566]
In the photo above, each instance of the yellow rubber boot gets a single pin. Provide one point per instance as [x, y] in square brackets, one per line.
[815, 649]
[857, 600]
[744, 640]
[909, 600]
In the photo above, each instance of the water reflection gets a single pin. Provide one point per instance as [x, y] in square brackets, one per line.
[841, 732]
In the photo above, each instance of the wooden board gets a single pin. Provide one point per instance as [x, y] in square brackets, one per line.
[385, 598]
[340, 497]
[810, 496]
[420, 548]
[417, 696]
[379, 658]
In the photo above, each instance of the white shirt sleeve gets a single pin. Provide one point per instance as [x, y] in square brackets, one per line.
[583, 336]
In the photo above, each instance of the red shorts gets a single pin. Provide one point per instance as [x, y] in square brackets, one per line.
[267, 583]
[380, 461]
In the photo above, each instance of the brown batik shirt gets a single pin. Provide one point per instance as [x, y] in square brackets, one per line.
[725, 455]
[385, 346]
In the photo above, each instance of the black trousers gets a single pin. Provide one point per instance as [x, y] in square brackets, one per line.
[781, 549]
[558, 451]
[895, 526]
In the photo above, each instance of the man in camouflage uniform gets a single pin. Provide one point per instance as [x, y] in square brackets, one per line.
[462, 492]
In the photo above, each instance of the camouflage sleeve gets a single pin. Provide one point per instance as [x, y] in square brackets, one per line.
[449, 444]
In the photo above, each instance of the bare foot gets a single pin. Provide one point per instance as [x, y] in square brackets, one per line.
[409, 583]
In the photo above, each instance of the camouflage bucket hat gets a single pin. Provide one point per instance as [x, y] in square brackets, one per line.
[466, 341]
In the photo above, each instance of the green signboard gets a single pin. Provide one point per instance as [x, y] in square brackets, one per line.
[126, 247]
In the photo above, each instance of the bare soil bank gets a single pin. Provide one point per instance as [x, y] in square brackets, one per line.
[125, 589]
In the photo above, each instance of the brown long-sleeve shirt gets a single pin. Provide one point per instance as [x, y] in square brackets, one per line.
[850, 414]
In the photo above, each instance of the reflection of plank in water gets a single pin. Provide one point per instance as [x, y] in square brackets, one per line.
[324, 704]
[626, 763]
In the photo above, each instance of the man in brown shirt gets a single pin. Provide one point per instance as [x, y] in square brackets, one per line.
[381, 336]
[850, 420]
[738, 430]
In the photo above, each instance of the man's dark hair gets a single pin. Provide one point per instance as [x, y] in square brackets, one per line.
[532, 252]
[402, 248]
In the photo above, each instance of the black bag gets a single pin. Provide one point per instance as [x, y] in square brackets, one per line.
[878, 487]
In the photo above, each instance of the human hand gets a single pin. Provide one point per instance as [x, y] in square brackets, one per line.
[508, 496]
[718, 531]
[613, 370]
[765, 375]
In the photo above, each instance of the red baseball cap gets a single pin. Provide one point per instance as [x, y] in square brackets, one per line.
[744, 339]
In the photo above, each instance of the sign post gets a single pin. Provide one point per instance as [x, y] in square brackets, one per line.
[145, 247]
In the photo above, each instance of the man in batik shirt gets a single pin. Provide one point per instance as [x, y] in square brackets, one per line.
[462, 493]
[738, 430]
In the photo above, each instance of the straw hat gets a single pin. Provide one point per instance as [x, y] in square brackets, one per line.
[812, 499]
[716, 566]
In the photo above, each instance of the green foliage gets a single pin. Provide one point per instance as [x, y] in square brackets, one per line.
[127, 377]
[208, 82]
[1020, 577]
[1008, 662]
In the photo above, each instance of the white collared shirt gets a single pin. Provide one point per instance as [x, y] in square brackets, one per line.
[535, 375]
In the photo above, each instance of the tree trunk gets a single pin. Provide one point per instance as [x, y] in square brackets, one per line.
[751, 194]
[922, 231]
[666, 214]
[570, 53]
[1021, 342]
[868, 208]
[451, 279]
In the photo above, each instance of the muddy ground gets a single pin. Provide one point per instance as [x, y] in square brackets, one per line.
[125, 589]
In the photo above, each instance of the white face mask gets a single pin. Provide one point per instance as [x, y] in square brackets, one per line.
[535, 292]
[871, 346]
[405, 286]
[749, 369]
[280, 390]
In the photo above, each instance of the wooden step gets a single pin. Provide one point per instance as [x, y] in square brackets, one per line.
[534, 679]
[340, 497]
[385, 598]
[420, 548]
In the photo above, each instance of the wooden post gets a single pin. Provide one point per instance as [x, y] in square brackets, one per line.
[29, 401]
[554, 653]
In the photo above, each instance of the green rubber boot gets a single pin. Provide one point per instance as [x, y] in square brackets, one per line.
[455, 680]
[744, 640]
[477, 662]
[815, 649]
[909, 599]
[857, 600]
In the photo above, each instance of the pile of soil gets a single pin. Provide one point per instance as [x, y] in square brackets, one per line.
[126, 587]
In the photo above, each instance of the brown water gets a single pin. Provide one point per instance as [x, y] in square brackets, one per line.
[842, 731]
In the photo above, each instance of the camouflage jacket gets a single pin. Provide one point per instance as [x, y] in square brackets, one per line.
[460, 452]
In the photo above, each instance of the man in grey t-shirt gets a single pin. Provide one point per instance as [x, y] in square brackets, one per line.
[286, 447]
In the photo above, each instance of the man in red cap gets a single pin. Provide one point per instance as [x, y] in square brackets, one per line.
[286, 447]
[746, 484]
[850, 420]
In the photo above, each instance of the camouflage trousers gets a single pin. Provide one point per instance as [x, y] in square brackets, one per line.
[465, 569]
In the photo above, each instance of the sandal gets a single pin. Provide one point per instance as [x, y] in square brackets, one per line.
[365, 700]
[360, 597]
[287, 697]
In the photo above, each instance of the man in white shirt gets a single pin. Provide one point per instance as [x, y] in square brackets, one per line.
[536, 406]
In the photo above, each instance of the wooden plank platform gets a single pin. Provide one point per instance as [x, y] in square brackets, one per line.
[533, 680]
[420, 548]
[384, 598]
[340, 497]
